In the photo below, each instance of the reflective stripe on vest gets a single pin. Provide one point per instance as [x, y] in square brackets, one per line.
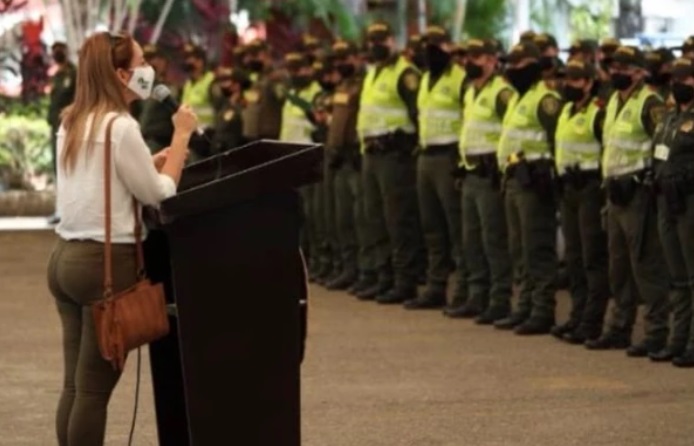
[197, 96]
[439, 108]
[576, 144]
[627, 145]
[522, 128]
[381, 109]
[295, 125]
[481, 127]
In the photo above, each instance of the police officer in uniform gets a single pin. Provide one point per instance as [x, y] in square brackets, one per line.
[439, 106]
[636, 262]
[344, 161]
[659, 66]
[197, 93]
[525, 155]
[228, 128]
[155, 117]
[485, 237]
[387, 128]
[298, 126]
[578, 152]
[262, 116]
[604, 56]
[674, 173]
[62, 94]
[549, 58]
[62, 90]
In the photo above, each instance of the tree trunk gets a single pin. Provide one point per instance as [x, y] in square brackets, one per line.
[630, 19]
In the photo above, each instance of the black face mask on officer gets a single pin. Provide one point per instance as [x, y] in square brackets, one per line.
[683, 93]
[301, 81]
[256, 65]
[621, 81]
[327, 85]
[346, 70]
[573, 94]
[473, 71]
[419, 58]
[379, 52]
[59, 56]
[658, 79]
[524, 78]
[546, 63]
[437, 59]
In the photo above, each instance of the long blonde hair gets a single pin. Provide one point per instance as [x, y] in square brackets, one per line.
[98, 90]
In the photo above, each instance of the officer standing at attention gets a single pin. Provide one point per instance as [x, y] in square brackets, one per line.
[659, 66]
[228, 128]
[674, 173]
[485, 236]
[155, 117]
[262, 117]
[387, 128]
[525, 155]
[62, 90]
[62, 94]
[197, 93]
[439, 105]
[578, 153]
[298, 126]
[635, 253]
[344, 161]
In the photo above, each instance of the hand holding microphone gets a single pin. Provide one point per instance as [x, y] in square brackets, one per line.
[183, 114]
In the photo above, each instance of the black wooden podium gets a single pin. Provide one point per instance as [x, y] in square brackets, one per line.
[227, 249]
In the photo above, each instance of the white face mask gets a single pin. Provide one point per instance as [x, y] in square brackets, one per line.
[142, 81]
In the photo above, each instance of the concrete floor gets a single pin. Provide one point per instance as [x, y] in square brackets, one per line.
[374, 376]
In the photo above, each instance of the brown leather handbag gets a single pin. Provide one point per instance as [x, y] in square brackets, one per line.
[136, 316]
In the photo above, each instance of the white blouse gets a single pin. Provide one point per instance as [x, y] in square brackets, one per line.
[80, 192]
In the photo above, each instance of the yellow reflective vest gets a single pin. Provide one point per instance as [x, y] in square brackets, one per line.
[296, 127]
[575, 142]
[439, 108]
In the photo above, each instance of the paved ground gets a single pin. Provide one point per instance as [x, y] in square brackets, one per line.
[375, 376]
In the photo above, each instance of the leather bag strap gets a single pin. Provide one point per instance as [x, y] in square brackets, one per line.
[108, 263]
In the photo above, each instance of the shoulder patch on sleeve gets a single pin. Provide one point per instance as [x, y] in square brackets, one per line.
[550, 105]
[411, 80]
[657, 113]
[505, 95]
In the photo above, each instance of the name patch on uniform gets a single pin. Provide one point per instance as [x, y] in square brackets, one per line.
[341, 98]
[662, 152]
[687, 126]
[229, 115]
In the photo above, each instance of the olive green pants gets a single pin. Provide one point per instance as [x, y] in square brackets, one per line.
[76, 280]
[485, 243]
[586, 254]
[677, 238]
[355, 253]
[326, 213]
[389, 181]
[439, 207]
[637, 270]
[532, 229]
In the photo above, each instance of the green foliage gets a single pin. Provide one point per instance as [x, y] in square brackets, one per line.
[483, 18]
[24, 147]
[541, 13]
[592, 23]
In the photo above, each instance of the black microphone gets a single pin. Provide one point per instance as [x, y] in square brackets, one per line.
[162, 94]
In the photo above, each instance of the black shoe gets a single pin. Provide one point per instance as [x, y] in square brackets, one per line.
[362, 284]
[667, 354]
[466, 311]
[330, 277]
[558, 331]
[427, 301]
[53, 220]
[343, 281]
[534, 327]
[580, 335]
[511, 322]
[492, 315]
[643, 349]
[608, 341]
[686, 360]
[397, 295]
[375, 290]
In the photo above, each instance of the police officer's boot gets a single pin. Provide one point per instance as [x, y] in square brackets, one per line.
[534, 326]
[472, 308]
[492, 315]
[668, 353]
[645, 348]
[430, 299]
[582, 334]
[367, 279]
[399, 294]
[511, 322]
[558, 331]
[343, 281]
[685, 360]
[383, 285]
[610, 340]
